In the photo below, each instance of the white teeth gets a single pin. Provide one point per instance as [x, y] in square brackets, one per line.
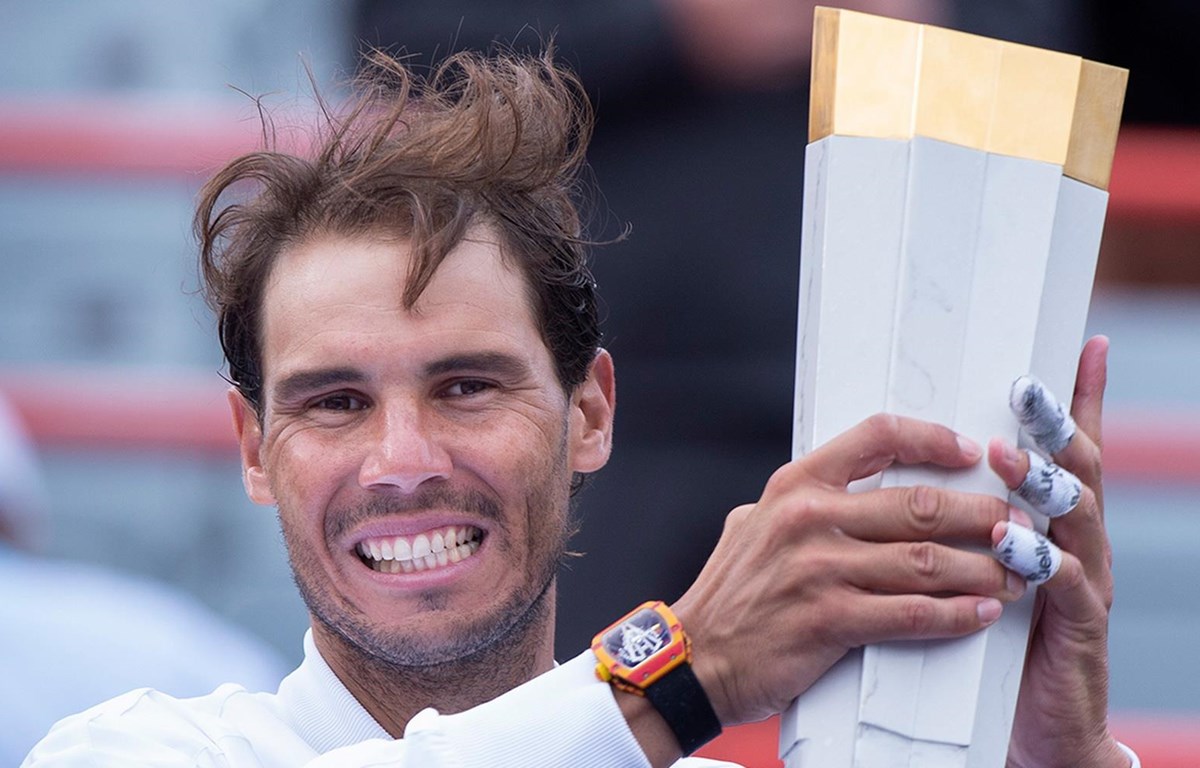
[420, 546]
[442, 547]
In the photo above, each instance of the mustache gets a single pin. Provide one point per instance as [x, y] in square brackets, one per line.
[432, 497]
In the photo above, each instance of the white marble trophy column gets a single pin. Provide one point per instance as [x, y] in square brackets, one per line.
[954, 196]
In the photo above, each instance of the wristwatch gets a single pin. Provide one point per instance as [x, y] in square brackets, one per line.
[647, 653]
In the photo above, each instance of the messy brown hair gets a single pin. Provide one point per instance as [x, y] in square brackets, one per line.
[496, 140]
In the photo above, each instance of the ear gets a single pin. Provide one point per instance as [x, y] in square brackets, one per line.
[249, 435]
[593, 404]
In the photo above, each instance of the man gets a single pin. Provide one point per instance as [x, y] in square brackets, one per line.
[412, 334]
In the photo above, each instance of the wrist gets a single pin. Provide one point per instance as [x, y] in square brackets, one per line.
[648, 654]
[707, 663]
[649, 729]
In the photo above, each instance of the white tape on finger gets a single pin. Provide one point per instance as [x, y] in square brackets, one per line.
[1041, 414]
[1049, 488]
[1028, 553]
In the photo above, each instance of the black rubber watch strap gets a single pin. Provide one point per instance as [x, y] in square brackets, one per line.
[682, 702]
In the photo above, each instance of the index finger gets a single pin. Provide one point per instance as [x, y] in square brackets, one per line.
[886, 439]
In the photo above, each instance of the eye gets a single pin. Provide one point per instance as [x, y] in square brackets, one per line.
[467, 387]
[342, 401]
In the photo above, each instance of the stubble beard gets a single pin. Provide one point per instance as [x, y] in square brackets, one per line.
[506, 633]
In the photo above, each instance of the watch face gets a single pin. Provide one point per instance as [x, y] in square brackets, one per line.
[638, 638]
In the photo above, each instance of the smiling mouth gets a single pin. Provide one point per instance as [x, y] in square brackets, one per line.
[422, 552]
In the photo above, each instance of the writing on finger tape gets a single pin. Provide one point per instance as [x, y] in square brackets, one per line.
[1029, 553]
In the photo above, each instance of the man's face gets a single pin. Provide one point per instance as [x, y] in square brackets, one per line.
[420, 460]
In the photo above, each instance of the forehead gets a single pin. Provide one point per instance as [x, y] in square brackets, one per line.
[334, 292]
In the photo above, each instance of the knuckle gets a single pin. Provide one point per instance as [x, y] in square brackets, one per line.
[827, 626]
[1071, 574]
[824, 567]
[790, 477]
[1087, 512]
[884, 427]
[836, 622]
[924, 507]
[925, 560]
[804, 513]
[920, 616]
[781, 479]
[738, 516]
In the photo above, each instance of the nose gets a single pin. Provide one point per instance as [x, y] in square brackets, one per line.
[405, 451]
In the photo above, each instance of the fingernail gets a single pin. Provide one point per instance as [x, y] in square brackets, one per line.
[988, 610]
[1009, 452]
[969, 447]
[1049, 488]
[1020, 517]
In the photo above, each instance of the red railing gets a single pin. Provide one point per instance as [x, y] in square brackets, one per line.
[1156, 175]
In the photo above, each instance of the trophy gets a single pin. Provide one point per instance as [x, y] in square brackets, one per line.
[954, 196]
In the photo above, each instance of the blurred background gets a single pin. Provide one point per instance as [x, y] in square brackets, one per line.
[113, 112]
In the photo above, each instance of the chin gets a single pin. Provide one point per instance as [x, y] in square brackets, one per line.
[436, 634]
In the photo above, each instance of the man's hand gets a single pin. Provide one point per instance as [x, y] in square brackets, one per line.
[810, 571]
[1062, 711]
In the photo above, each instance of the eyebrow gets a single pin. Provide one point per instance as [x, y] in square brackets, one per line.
[297, 384]
[498, 363]
[300, 383]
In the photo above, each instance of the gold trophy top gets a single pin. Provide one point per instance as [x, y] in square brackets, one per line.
[884, 78]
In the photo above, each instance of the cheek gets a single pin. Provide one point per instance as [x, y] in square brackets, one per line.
[547, 499]
[304, 471]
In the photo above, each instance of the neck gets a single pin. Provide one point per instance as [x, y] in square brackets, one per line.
[394, 693]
